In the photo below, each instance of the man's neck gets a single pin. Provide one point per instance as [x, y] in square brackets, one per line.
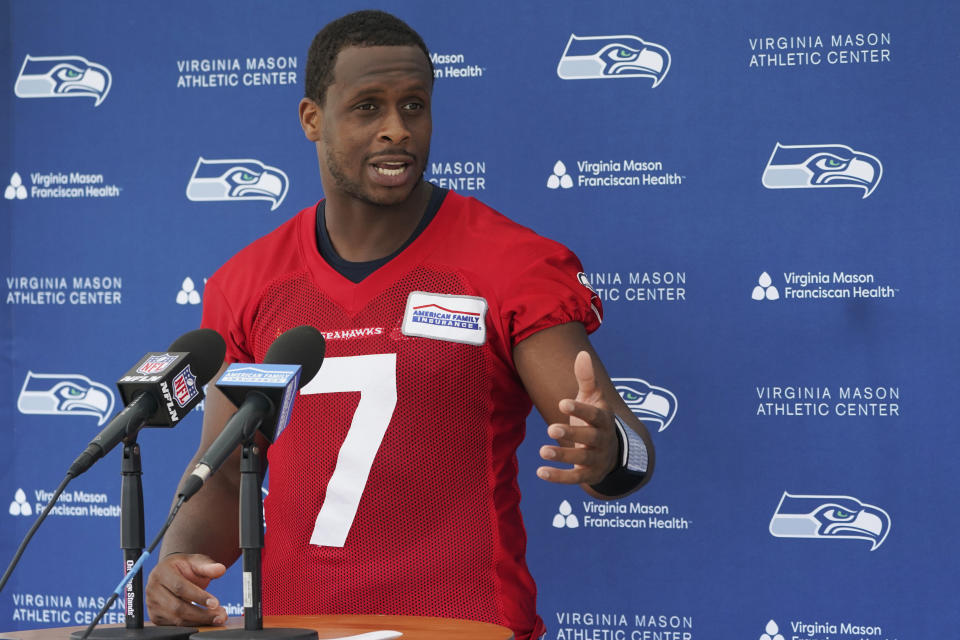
[361, 231]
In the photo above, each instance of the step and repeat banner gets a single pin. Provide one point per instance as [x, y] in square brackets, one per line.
[764, 195]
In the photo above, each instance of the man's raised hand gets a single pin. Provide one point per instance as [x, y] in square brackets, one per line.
[588, 441]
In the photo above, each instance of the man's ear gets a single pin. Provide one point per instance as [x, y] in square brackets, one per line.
[311, 117]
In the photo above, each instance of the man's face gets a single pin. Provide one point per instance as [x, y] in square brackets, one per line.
[375, 123]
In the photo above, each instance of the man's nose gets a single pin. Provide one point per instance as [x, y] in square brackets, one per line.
[394, 127]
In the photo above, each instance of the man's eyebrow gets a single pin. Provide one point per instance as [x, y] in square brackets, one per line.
[360, 89]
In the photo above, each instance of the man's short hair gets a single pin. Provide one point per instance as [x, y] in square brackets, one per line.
[368, 28]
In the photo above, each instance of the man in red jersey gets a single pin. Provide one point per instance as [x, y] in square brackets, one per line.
[394, 488]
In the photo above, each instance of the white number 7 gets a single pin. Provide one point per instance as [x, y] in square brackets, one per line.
[375, 377]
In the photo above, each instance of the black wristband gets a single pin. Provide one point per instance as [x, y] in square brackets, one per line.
[621, 480]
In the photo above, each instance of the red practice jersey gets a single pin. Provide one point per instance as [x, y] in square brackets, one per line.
[394, 488]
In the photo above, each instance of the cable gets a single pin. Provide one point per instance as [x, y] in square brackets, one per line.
[33, 529]
[135, 568]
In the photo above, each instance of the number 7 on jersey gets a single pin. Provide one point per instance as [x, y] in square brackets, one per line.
[375, 377]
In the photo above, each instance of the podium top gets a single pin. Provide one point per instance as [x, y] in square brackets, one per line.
[328, 627]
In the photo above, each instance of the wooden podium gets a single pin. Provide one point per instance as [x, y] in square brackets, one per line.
[412, 628]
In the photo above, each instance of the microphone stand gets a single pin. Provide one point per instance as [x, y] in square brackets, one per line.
[251, 545]
[132, 543]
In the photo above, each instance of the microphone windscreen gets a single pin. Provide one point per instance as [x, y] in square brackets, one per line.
[302, 345]
[207, 348]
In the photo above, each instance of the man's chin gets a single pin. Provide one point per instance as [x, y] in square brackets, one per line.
[391, 196]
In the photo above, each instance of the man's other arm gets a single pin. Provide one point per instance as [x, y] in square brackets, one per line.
[204, 538]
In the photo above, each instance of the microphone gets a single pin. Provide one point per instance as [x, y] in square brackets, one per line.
[158, 391]
[264, 394]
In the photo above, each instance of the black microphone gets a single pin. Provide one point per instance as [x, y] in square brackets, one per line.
[158, 391]
[264, 394]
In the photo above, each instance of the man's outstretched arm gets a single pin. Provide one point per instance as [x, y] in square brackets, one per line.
[572, 391]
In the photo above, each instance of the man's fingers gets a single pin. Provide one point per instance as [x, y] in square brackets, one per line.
[586, 441]
[583, 414]
[571, 455]
[577, 475]
[568, 435]
[195, 569]
[167, 608]
[208, 570]
[189, 592]
[175, 592]
[588, 393]
[183, 614]
[586, 378]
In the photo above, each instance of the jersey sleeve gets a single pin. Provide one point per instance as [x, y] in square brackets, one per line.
[218, 315]
[552, 290]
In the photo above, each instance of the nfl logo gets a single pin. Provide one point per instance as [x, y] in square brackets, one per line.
[185, 387]
[156, 363]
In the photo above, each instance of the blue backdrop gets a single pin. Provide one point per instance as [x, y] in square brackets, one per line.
[765, 198]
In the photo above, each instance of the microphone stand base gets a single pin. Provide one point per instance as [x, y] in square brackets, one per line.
[146, 633]
[276, 633]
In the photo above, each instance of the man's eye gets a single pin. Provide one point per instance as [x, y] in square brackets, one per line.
[413, 106]
[366, 107]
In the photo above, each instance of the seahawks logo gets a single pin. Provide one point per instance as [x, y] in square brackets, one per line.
[829, 517]
[66, 394]
[651, 404]
[602, 57]
[247, 179]
[62, 77]
[821, 165]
